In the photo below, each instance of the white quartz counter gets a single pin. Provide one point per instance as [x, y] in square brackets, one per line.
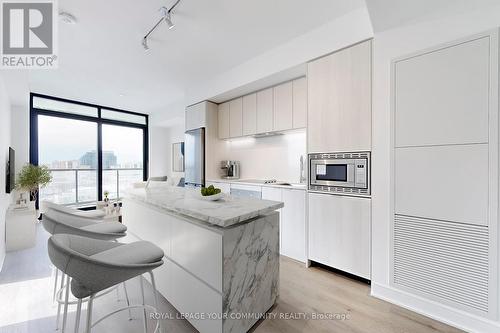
[225, 212]
[294, 186]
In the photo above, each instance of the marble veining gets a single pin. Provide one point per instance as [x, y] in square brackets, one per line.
[251, 272]
[225, 212]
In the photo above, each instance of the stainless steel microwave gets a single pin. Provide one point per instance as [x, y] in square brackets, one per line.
[340, 173]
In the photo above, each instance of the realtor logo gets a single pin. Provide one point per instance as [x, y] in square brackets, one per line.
[28, 34]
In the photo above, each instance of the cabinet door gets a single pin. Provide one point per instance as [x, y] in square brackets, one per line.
[339, 232]
[273, 193]
[299, 103]
[283, 107]
[225, 187]
[223, 120]
[445, 92]
[265, 111]
[293, 224]
[235, 118]
[339, 101]
[195, 116]
[250, 114]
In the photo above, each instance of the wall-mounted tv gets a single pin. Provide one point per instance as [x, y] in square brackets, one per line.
[10, 182]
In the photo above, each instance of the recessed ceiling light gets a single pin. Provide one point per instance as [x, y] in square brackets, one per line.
[67, 18]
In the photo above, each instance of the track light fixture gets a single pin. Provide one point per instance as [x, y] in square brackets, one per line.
[166, 16]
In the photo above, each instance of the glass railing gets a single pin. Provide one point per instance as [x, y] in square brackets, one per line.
[79, 186]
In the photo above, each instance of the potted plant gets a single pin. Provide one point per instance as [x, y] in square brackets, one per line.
[31, 178]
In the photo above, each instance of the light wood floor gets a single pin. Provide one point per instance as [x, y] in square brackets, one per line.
[26, 302]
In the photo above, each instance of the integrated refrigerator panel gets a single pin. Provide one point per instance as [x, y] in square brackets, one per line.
[195, 157]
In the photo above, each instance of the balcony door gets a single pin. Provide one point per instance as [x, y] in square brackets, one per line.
[69, 148]
[88, 148]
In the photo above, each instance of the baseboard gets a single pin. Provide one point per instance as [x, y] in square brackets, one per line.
[453, 317]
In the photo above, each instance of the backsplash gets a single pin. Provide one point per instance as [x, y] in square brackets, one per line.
[275, 157]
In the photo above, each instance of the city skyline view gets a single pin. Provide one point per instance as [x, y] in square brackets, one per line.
[69, 148]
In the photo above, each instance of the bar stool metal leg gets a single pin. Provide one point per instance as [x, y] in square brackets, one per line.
[56, 274]
[143, 303]
[78, 313]
[153, 283]
[128, 301]
[88, 328]
[66, 300]
[59, 305]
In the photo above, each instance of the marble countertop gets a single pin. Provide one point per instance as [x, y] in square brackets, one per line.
[185, 201]
[243, 182]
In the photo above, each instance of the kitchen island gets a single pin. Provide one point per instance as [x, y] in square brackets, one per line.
[221, 266]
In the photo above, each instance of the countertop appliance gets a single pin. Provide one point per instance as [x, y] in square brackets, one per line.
[340, 173]
[230, 169]
[194, 157]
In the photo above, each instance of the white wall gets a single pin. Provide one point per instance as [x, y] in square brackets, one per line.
[158, 148]
[339, 33]
[5, 115]
[387, 46]
[20, 134]
[274, 157]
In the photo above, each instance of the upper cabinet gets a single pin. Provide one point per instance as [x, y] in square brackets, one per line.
[339, 101]
[276, 109]
[235, 118]
[223, 120]
[265, 111]
[446, 92]
[250, 114]
[195, 116]
[283, 110]
[299, 95]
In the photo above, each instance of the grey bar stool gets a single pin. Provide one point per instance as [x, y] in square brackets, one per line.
[60, 222]
[90, 214]
[95, 265]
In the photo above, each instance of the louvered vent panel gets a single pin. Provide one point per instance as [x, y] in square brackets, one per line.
[443, 259]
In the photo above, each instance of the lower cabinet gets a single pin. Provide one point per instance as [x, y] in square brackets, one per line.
[225, 187]
[339, 232]
[292, 220]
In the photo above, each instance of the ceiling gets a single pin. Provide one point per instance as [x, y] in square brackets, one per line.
[101, 59]
[387, 14]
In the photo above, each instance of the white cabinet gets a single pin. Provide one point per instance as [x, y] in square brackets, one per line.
[339, 232]
[279, 108]
[196, 116]
[235, 118]
[265, 111]
[223, 120]
[20, 229]
[292, 220]
[445, 92]
[299, 103]
[250, 114]
[293, 224]
[283, 110]
[225, 187]
[339, 101]
[435, 182]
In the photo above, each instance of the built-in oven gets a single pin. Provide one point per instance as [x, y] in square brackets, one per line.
[340, 173]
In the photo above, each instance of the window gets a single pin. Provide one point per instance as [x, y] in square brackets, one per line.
[89, 149]
[122, 162]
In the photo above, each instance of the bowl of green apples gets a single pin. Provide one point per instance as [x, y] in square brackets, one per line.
[211, 193]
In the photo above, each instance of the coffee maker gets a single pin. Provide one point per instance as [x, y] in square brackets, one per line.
[230, 169]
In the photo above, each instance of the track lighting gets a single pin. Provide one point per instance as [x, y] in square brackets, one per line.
[167, 17]
[145, 44]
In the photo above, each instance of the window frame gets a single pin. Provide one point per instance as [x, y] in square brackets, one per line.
[35, 112]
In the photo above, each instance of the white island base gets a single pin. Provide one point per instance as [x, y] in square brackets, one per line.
[222, 279]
